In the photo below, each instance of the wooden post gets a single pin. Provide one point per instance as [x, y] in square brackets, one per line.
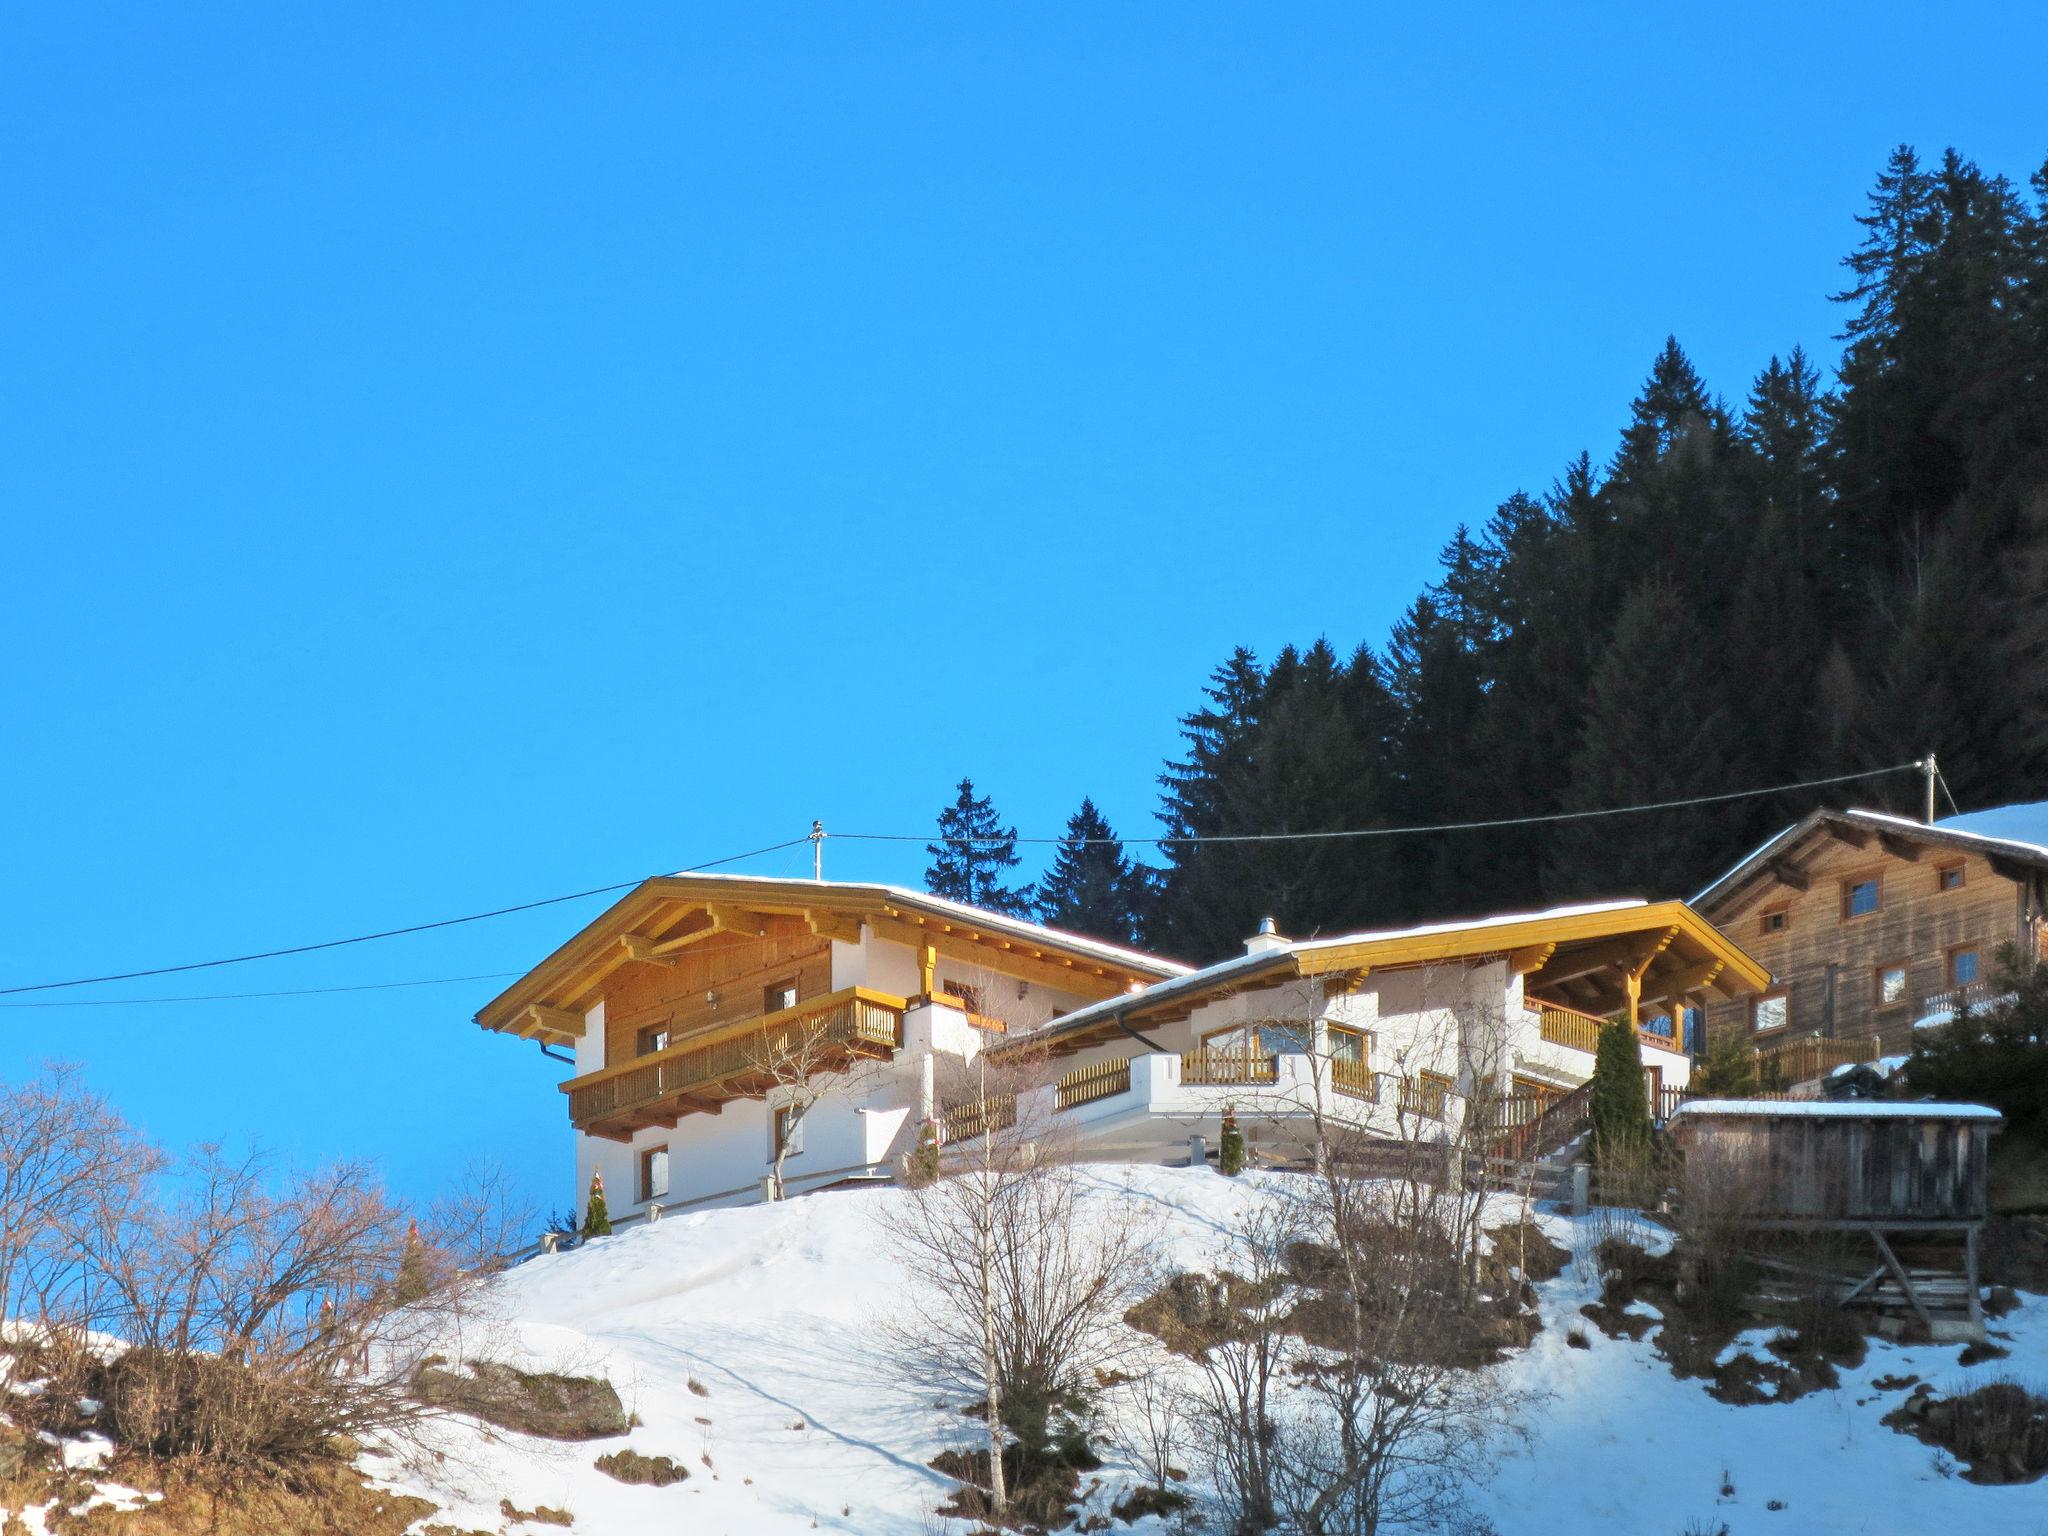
[1905, 1281]
[928, 969]
[1970, 1269]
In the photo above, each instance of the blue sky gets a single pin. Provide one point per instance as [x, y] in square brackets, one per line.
[459, 454]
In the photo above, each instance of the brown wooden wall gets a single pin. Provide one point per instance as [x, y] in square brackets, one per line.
[641, 996]
[1839, 1168]
[1918, 924]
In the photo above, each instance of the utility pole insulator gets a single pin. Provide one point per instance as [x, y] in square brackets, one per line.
[818, 849]
[1930, 774]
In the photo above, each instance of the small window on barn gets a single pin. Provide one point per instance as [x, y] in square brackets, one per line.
[1891, 985]
[1860, 898]
[1964, 966]
[1949, 877]
[653, 1039]
[1772, 921]
[778, 995]
[1769, 1012]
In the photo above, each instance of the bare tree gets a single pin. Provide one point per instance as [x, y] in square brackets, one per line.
[63, 1152]
[804, 1063]
[1020, 1289]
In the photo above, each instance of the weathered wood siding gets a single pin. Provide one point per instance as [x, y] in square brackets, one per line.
[1918, 925]
[1837, 1168]
[737, 968]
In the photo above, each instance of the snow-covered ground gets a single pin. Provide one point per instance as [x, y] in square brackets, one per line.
[773, 1310]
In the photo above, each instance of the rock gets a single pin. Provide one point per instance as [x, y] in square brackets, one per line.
[533, 1403]
[2001, 1300]
[632, 1467]
[17, 1449]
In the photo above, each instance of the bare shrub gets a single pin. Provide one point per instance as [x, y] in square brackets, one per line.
[1242, 1346]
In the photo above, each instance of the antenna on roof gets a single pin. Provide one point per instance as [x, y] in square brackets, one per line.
[817, 835]
[1929, 773]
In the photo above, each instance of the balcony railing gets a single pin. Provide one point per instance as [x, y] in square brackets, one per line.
[1971, 994]
[1354, 1079]
[823, 1032]
[976, 1117]
[1102, 1080]
[1581, 1031]
[1785, 1062]
[1227, 1066]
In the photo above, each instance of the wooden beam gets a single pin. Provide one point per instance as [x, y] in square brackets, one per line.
[2008, 869]
[1905, 1281]
[1899, 847]
[739, 920]
[540, 1019]
[1674, 984]
[843, 926]
[1624, 950]
[1844, 832]
[1530, 958]
[1788, 875]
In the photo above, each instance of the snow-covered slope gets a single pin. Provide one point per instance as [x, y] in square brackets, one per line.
[772, 1312]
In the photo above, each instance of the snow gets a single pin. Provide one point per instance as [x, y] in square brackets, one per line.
[1845, 1109]
[773, 1310]
[1884, 1066]
[2026, 824]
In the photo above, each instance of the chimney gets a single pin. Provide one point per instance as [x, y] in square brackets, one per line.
[1266, 940]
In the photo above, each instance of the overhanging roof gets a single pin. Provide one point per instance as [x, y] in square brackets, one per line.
[1864, 827]
[661, 915]
[1673, 949]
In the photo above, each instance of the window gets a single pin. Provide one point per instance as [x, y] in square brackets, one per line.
[1860, 898]
[654, 1174]
[789, 1130]
[1660, 1024]
[1769, 1012]
[971, 996]
[1949, 877]
[1692, 1029]
[1891, 985]
[1347, 1044]
[1282, 1037]
[653, 1038]
[778, 995]
[1772, 921]
[1963, 967]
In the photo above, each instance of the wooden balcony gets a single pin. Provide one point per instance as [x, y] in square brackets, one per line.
[1578, 1031]
[1227, 1066]
[713, 1068]
[976, 1117]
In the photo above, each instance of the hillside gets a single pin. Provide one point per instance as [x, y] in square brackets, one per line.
[801, 1424]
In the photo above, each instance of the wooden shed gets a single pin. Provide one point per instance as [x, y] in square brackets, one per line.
[1895, 1171]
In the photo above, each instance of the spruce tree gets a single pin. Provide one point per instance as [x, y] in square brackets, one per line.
[1093, 887]
[415, 1276]
[597, 1217]
[1619, 1107]
[973, 850]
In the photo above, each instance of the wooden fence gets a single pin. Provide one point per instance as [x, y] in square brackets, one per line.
[1102, 1080]
[1227, 1066]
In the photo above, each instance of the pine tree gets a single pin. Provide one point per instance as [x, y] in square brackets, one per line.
[1230, 1145]
[415, 1276]
[597, 1218]
[1093, 887]
[1619, 1105]
[1656, 728]
[973, 850]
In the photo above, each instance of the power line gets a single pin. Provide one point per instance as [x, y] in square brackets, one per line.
[388, 933]
[875, 837]
[1444, 826]
[233, 997]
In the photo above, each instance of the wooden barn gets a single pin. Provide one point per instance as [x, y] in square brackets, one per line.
[1911, 1177]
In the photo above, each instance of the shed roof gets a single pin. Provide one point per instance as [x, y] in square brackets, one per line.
[1832, 1109]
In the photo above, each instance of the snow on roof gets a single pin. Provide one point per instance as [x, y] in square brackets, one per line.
[1846, 1109]
[2018, 830]
[1021, 926]
[1502, 920]
[1223, 970]
[2024, 824]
